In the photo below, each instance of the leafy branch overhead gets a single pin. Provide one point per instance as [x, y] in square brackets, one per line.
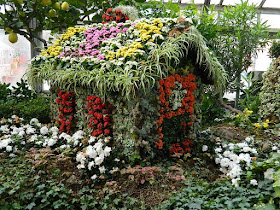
[30, 17]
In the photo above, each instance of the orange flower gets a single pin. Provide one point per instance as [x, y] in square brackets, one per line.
[159, 144]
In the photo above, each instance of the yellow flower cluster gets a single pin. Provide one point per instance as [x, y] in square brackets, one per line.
[260, 125]
[71, 31]
[147, 30]
[125, 51]
[55, 49]
[52, 51]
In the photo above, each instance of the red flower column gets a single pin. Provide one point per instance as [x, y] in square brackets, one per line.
[66, 102]
[100, 120]
[185, 109]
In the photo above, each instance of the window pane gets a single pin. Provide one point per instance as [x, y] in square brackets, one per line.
[14, 58]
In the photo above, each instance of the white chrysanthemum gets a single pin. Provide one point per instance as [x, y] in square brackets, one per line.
[217, 160]
[98, 160]
[63, 146]
[98, 147]
[245, 157]
[235, 172]
[269, 173]
[234, 158]
[21, 133]
[90, 165]
[204, 148]
[231, 146]
[218, 150]
[102, 169]
[249, 139]
[51, 142]
[241, 145]
[80, 166]
[80, 157]
[92, 139]
[54, 130]
[5, 129]
[91, 152]
[235, 182]
[254, 182]
[107, 151]
[274, 148]
[15, 131]
[9, 148]
[34, 121]
[225, 162]
[44, 130]
[246, 149]
[94, 177]
[5, 142]
[30, 130]
[78, 135]
[227, 153]
[114, 170]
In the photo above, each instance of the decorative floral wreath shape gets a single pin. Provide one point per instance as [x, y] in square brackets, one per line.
[165, 90]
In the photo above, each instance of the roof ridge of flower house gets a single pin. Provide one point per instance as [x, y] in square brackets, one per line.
[123, 57]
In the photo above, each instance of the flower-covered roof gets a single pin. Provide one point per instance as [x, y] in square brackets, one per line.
[122, 56]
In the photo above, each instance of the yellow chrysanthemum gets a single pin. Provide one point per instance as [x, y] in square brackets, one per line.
[265, 125]
[257, 125]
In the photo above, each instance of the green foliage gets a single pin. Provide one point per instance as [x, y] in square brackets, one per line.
[241, 35]
[211, 109]
[274, 50]
[5, 91]
[234, 34]
[158, 9]
[21, 101]
[250, 98]
[269, 95]
[205, 22]
[218, 195]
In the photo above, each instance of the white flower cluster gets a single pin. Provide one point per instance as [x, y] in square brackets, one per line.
[235, 158]
[93, 156]
[34, 135]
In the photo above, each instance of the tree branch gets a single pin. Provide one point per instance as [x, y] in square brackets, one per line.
[223, 104]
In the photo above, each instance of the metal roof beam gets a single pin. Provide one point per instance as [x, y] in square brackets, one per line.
[221, 2]
[206, 5]
[262, 10]
[262, 3]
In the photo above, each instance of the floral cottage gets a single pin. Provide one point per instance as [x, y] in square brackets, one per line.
[139, 82]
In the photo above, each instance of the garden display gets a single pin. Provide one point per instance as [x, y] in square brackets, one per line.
[139, 82]
[122, 126]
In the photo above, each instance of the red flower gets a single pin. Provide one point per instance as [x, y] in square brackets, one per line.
[118, 18]
[126, 18]
[99, 126]
[106, 119]
[109, 10]
[107, 131]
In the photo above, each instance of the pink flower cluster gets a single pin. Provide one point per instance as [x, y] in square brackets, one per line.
[94, 37]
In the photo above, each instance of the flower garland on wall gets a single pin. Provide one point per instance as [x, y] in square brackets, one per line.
[66, 102]
[176, 108]
[100, 122]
